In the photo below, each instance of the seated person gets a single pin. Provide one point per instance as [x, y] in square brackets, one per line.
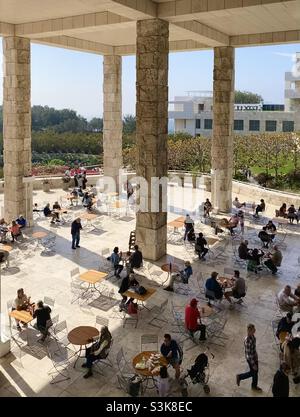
[291, 215]
[172, 352]
[260, 207]
[238, 291]
[162, 382]
[298, 215]
[128, 282]
[183, 276]
[254, 259]
[4, 257]
[35, 208]
[193, 320]
[22, 302]
[191, 237]
[200, 246]
[188, 226]
[264, 237]
[214, 288]
[15, 231]
[287, 300]
[297, 291]
[237, 204]
[42, 315]
[73, 196]
[99, 350]
[271, 228]
[87, 201]
[3, 230]
[136, 258]
[282, 211]
[21, 221]
[231, 223]
[285, 325]
[274, 261]
[207, 207]
[55, 207]
[243, 250]
[48, 213]
[115, 259]
[291, 354]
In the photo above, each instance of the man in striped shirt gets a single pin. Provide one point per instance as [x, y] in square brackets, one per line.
[251, 358]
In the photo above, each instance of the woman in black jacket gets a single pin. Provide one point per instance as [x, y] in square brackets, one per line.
[281, 384]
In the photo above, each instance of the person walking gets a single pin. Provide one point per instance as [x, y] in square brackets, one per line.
[281, 383]
[251, 358]
[75, 232]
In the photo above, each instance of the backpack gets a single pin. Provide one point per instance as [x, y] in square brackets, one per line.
[141, 290]
[132, 308]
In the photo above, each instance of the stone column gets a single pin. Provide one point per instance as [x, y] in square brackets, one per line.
[152, 129]
[223, 116]
[112, 116]
[17, 128]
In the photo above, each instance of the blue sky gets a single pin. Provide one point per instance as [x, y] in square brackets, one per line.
[68, 79]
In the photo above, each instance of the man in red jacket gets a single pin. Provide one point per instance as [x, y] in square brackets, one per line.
[193, 320]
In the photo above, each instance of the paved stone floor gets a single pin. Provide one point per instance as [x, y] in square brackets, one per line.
[24, 372]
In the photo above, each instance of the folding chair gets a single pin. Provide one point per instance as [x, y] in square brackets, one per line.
[149, 339]
[104, 361]
[158, 319]
[124, 367]
[74, 273]
[60, 363]
[61, 333]
[215, 328]
[101, 321]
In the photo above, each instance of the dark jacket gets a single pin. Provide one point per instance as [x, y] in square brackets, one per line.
[213, 285]
[201, 242]
[284, 326]
[281, 385]
[136, 259]
[47, 211]
[124, 285]
[243, 252]
[42, 315]
[75, 228]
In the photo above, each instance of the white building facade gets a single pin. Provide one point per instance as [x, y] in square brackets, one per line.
[193, 113]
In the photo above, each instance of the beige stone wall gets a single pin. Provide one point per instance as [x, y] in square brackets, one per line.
[222, 140]
[17, 127]
[112, 115]
[152, 127]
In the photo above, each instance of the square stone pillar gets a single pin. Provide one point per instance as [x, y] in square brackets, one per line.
[17, 128]
[112, 116]
[152, 62]
[222, 139]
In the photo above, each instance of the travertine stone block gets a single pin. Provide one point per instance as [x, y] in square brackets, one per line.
[222, 140]
[16, 128]
[112, 116]
[152, 129]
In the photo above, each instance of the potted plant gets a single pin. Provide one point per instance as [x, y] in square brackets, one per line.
[46, 185]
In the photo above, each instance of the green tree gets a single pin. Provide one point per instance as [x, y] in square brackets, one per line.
[246, 97]
[129, 124]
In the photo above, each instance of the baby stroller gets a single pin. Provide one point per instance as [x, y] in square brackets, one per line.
[198, 374]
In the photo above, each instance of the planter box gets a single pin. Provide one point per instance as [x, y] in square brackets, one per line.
[46, 188]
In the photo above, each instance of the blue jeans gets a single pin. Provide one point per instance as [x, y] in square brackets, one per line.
[75, 239]
[250, 374]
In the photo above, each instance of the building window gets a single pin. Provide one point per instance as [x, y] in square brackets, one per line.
[287, 126]
[271, 125]
[184, 123]
[239, 125]
[254, 125]
[200, 107]
[208, 124]
[198, 124]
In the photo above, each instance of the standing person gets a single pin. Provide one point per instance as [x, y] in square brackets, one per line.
[188, 225]
[207, 208]
[75, 179]
[251, 358]
[171, 351]
[75, 232]
[42, 315]
[84, 180]
[242, 220]
[193, 320]
[80, 181]
[281, 383]
[14, 231]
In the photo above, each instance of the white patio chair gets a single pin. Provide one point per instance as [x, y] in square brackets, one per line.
[49, 301]
[101, 321]
[158, 318]
[60, 360]
[149, 339]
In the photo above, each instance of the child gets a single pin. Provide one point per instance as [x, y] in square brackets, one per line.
[163, 384]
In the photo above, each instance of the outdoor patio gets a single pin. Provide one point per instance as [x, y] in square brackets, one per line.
[24, 372]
